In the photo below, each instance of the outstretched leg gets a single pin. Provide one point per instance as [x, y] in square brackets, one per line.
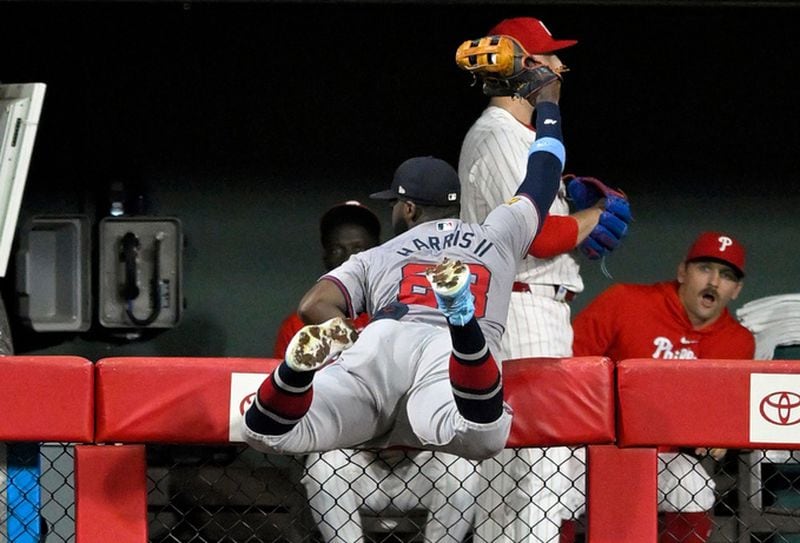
[474, 374]
[285, 396]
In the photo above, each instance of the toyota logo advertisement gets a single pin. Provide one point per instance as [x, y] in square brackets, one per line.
[775, 408]
[781, 408]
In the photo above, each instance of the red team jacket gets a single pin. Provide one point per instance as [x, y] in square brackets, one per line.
[649, 321]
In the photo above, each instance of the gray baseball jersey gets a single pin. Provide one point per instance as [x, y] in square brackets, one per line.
[394, 271]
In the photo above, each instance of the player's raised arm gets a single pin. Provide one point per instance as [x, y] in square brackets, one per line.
[547, 154]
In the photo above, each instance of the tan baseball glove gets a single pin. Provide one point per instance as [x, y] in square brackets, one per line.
[504, 67]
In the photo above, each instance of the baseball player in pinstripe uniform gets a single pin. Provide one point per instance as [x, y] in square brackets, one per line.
[490, 167]
[422, 374]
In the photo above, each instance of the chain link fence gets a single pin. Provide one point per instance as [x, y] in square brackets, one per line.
[234, 494]
[37, 492]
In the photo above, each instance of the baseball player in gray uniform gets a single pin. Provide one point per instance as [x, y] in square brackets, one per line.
[422, 374]
[343, 483]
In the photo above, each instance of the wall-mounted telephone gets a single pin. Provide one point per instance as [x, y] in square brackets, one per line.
[130, 291]
[140, 272]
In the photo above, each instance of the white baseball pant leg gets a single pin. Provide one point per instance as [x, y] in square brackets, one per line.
[341, 483]
[684, 485]
[357, 398]
[532, 489]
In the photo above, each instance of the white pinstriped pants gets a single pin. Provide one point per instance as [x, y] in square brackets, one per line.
[532, 490]
[341, 483]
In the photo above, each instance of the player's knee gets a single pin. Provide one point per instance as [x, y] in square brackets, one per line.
[484, 451]
[483, 441]
[267, 443]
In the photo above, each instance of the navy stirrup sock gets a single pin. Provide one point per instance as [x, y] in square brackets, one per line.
[474, 375]
[282, 400]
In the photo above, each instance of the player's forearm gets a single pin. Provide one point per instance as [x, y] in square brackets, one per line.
[714, 452]
[546, 159]
[322, 302]
[587, 219]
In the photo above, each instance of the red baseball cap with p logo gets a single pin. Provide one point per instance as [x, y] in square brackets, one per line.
[531, 33]
[718, 247]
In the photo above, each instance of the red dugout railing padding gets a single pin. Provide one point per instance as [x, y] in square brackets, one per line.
[188, 400]
[621, 490]
[721, 403]
[560, 401]
[169, 400]
[110, 494]
[46, 398]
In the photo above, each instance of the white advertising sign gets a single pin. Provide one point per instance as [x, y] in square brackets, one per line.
[243, 391]
[775, 408]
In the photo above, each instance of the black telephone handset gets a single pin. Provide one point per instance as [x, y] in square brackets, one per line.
[130, 290]
[130, 250]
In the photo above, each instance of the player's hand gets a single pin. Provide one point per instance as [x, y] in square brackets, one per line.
[714, 452]
[549, 93]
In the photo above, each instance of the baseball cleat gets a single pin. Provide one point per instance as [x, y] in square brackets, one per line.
[450, 281]
[316, 345]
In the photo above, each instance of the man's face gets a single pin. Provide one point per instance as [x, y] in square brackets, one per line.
[399, 221]
[550, 60]
[705, 289]
[343, 241]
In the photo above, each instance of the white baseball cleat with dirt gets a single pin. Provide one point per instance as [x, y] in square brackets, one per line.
[316, 345]
[450, 281]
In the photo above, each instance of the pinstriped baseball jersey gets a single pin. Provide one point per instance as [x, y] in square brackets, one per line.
[491, 166]
[394, 271]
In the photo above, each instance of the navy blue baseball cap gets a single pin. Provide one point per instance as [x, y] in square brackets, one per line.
[424, 180]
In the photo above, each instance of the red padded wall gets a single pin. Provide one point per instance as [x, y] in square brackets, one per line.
[46, 398]
[186, 400]
[622, 495]
[692, 402]
[168, 400]
[560, 401]
[110, 494]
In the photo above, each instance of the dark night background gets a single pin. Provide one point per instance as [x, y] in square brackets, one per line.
[248, 120]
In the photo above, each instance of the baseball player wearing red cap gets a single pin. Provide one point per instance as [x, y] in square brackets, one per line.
[686, 318]
[490, 166]
[422, 374]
